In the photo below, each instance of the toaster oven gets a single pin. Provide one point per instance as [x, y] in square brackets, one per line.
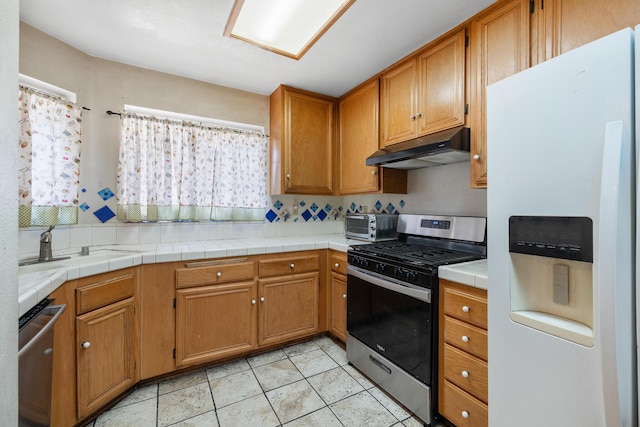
[371, 227]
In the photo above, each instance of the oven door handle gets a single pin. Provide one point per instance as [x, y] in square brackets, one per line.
[421, 294]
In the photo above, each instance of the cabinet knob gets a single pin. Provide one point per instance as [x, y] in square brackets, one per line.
[465, 374]
[218, 274]
[344, 296]
[261, 299]
[336, 265]
[292, 265]
[465, 414]
[476, 157]
[288, 176]
[253, 302]
[412, 117]
[419, 115]
[465, 338]
[466, 308]
[86, 344]
[373, 172]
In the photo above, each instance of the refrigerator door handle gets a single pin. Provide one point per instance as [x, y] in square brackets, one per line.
[613, 283]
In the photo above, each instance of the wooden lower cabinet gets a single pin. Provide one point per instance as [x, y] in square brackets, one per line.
[216, 321]
[105, 355]
[338, 295]
[463, 366]
[288, 308]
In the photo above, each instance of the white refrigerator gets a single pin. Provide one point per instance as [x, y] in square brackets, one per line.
[561, 210]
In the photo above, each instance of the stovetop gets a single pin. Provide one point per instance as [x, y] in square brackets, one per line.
[414, 254]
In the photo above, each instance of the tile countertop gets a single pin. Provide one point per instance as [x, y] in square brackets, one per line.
[37, 281]
[472, 273]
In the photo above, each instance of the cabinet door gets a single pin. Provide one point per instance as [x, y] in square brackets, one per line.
[288, 308]
[215, 321]
[441, 71]
[358, 140]
[339, 306]
[105, 354]
[499, 48]
[573, 23]
[398, 103]
[308, 140]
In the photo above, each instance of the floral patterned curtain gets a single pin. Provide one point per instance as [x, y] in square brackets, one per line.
[178, 171]
[48, 159]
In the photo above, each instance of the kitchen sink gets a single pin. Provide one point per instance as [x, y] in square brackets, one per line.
[73, 260]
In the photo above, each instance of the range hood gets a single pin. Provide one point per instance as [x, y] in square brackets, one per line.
[448, 146]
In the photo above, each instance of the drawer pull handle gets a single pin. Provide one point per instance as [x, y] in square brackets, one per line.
[292, 265]
[86, 344]
[253, 301]
[336, 265]
[466, 308]
[218, 274]
[465, 414]
[261, 299]
[465, 374]
[465, 338]
[380, 365]
[344, 295]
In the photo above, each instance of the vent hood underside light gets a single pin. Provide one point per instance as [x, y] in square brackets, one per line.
[441, 148]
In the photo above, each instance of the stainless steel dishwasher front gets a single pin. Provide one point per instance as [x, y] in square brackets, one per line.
[35, 361]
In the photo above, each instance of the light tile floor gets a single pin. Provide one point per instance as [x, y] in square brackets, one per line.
[307, 384]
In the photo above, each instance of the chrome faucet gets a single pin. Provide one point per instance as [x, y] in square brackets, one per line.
[45, 245]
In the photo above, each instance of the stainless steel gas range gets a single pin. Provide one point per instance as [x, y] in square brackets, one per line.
[392, 312]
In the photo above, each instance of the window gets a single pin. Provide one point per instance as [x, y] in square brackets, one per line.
[48, 156]
[173, 170]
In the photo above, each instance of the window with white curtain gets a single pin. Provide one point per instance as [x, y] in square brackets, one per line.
[50, 129]
[174, 170]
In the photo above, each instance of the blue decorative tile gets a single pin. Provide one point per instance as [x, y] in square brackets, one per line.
[360, 208]
[352, 207]
[328, 207]
[84, 207]
[106, 193]
[390, 208]
[339, 208]
[306, 215]
[314, 207]
[277, 204]
[378, 205]
[271, 215]
[322, 215]
[302, 203]
[402, 203]
[84, 190]
[295, 219]
[104, 214]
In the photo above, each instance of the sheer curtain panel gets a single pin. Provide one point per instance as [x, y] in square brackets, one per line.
[48, 159]
[180, 171]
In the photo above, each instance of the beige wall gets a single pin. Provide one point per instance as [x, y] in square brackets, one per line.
[106, 85]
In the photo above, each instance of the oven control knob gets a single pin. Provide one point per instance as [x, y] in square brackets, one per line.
[398, 273]
[380, 267]
[365, 262]
[411, 275]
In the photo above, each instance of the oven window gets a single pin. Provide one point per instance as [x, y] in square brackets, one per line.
[358, 225]
[395, 325]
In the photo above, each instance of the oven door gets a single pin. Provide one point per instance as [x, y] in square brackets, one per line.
[393, 319]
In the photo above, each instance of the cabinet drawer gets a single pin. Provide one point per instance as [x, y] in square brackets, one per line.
[212, 272]
[339, 263]
[463, 409]
[103, 293]
[466, 337]
[289, 265]
[465, 307]
[465, 371]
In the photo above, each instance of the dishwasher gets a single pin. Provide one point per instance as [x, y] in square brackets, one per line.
[35, 362]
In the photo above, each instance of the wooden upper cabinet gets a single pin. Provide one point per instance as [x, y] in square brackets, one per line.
[302, 135]
[358, 139]
[424, 94]
[442, 75]
[499, 48]
[572, 23]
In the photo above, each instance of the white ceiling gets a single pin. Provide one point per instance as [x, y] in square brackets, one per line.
[185, 38]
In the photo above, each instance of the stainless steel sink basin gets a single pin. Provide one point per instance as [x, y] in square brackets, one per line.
[95, 256]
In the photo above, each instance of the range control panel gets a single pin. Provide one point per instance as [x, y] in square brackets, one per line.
[552, 236]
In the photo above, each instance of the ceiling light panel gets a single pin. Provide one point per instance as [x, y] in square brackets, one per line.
[287, 27]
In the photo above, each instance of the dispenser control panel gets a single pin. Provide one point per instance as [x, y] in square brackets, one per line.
[552, 236]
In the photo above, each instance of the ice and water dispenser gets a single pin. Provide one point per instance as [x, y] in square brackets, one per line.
[552, 275]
